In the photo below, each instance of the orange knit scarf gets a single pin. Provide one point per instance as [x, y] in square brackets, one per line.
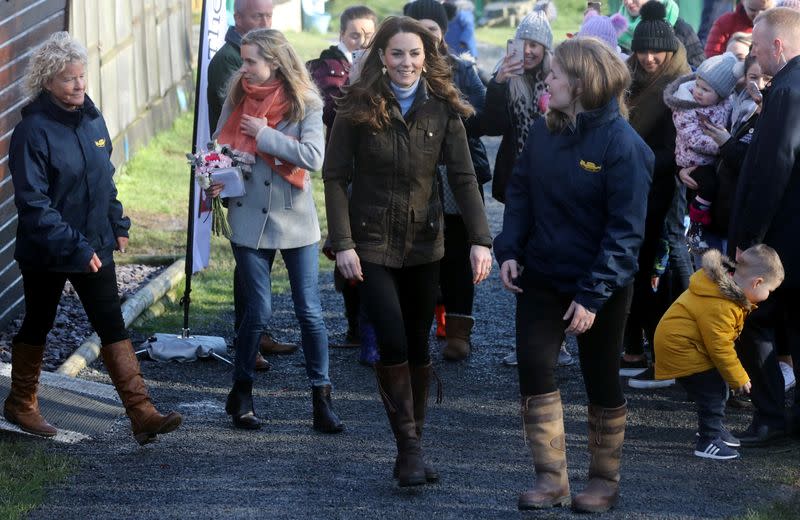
[268, 101]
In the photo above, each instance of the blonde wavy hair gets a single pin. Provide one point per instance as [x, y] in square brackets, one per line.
[273, 46]
[50, 58]
[601, 73]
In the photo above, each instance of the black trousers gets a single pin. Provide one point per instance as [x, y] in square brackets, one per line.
[399, 304]
[97, 291]
[455, 271]
[710, 393]
[775, 322]
[540, 331]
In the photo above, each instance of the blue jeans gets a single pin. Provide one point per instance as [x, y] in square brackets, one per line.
[255, 267]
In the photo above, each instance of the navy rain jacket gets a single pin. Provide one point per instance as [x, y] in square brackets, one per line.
[60, 164]
[576, 205]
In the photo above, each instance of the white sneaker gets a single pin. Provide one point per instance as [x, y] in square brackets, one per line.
[788, 375]
[511, 359]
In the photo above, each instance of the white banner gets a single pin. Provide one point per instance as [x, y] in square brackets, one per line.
[213, 37]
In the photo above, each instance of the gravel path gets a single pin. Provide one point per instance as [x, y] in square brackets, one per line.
[71, 326]
[209, 470]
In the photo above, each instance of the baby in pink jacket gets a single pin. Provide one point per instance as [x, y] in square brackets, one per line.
[695, 99]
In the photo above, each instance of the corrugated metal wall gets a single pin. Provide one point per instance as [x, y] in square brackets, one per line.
[139, 74]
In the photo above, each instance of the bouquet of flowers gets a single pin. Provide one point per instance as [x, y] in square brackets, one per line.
[205, 162]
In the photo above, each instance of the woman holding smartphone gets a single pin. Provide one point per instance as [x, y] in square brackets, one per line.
[516, 96]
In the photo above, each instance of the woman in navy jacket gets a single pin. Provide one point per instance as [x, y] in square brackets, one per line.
[574, 219]
[70, 223]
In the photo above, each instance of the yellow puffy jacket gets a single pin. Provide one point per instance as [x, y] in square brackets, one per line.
[698, 331]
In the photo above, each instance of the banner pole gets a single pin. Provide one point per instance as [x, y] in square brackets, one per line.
[186, 298]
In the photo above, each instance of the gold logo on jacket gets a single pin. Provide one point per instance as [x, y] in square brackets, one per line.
[589, 166]
[100, 143]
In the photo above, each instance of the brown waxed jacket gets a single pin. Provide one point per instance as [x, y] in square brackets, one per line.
[393, 216]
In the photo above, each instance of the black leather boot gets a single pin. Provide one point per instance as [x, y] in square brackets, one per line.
[325, 420]
[240, 406]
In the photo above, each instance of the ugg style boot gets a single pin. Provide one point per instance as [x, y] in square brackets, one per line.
[543, 418]
[459, 331]
[325, 420]
[123, 367]
[394, 385]
[606, 435]
[22, 405]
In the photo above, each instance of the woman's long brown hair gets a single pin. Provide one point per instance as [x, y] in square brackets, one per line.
[366, 101]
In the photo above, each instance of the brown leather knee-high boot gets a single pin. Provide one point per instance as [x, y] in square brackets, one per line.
[22, 406]
[420, 384]
[606, 435]
[394, 384]
[543, 417]
[123, 367]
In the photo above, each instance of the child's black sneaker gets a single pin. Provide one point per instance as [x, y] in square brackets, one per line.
[726, 437]
[632, 368]
[714, 449]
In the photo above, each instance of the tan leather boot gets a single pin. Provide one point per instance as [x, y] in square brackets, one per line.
[123, 367]
[22, 405]
[543, 417]
[267, 345]
[459, 331]
[394, 385]
[606, 435]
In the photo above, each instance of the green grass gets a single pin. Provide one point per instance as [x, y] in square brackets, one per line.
[780, 510]
[25, 470]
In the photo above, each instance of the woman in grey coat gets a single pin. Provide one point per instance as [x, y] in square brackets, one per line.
[272, 119]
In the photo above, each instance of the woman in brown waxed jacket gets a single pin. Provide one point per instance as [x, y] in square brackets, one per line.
[391, 128]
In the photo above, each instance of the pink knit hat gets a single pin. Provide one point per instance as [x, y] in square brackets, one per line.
[605, 28]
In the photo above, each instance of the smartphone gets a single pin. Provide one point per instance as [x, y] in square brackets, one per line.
[515, 48]
[752, 89]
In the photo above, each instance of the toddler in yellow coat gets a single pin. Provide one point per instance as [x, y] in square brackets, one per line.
[694, 341]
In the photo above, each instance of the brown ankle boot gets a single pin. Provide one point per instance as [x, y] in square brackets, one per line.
[543, 417]
[459, 331]
[123, 367]
[394, 385]
[606, 434]
[22, 405]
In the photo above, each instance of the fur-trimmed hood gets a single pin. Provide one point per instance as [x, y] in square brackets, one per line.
[678, 94]
[718, 269]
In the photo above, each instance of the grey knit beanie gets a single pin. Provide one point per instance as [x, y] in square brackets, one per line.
[719, 73]
[536, 26]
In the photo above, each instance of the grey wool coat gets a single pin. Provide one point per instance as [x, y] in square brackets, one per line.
[273, 214]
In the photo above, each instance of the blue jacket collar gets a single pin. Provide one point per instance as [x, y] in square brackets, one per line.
[233, 37]
[44, 103]
[597, 117]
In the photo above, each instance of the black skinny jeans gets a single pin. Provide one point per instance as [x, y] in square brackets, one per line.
[540, 331]
[710, 393]
[399, 304]
[97, 291]
[455, 272]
